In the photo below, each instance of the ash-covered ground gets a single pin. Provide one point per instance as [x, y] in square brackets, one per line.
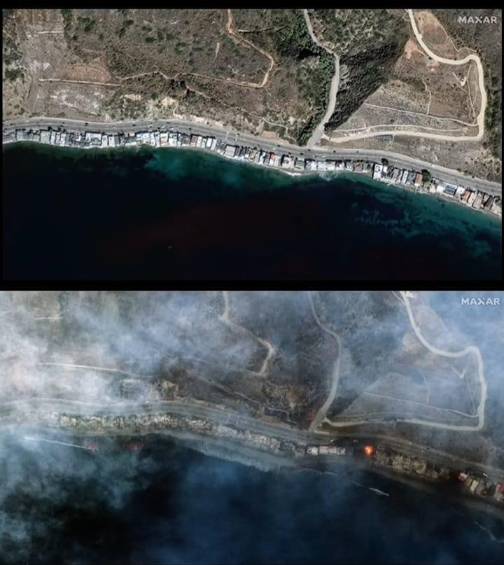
[282, 357]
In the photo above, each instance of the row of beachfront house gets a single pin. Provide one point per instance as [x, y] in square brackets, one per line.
[416, 180]
[382, 172]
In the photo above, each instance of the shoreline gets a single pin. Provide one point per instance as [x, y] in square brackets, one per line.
[438, 196]
[266, 461]
[217, 129]
[364, 177]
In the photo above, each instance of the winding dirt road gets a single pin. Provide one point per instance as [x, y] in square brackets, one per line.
[472, 349]
[230, 28]
[225, 318]
[233, 33]
[92, 368]
[71, 81]
[321, 414]
[480, 120]
[333, 91]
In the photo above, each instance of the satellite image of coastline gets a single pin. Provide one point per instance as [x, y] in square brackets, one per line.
[265, 427]
[286, 144]
[164, 170]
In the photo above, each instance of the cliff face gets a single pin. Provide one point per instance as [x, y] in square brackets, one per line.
[369, 42]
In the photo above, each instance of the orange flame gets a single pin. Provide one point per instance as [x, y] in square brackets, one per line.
[369, 450]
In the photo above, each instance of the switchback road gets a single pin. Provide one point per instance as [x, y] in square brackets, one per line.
[413, 131]
[470, 350]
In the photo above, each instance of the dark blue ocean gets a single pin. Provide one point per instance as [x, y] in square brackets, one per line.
[167, 504]
[184, 215]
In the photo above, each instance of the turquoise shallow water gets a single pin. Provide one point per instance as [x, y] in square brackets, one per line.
[186, 215]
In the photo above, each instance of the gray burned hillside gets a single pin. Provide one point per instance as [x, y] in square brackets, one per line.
[379, 362]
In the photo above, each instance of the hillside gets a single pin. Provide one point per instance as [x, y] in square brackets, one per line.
[261, 72]
[369, 43]
[482, 38]
[257, 70]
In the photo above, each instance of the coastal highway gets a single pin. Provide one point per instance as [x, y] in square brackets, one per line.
[34, 410]
[234, 137]
[37, 407]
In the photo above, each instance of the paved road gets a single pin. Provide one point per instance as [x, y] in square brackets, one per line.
[191, 409]
[186, 408]
[333, 91]
[397, 159]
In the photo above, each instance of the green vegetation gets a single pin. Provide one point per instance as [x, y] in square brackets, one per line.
[309, 68]
[180, 47]
[415, 82]
[13, 74]
[152, 86]
[486, 41]
[356, 30]
[11, 57]
[85, 23]
[303, 134]
[295, 41]
[67, 15]
[315, 82]
[11, 53]
[298, 86]
[493, 115]
[124, 28]
[368, 70]
[426, 176]
[68, 21]
[369, 43]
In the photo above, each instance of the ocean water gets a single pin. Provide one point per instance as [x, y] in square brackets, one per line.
[169, 504]
[145, 214]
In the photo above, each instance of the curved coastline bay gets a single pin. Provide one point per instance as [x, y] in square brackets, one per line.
[147, 214]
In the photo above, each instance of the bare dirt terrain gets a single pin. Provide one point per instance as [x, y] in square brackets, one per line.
[429, 100]
[484, 38]
[261, 71]
[468, 157]
[168, 63]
